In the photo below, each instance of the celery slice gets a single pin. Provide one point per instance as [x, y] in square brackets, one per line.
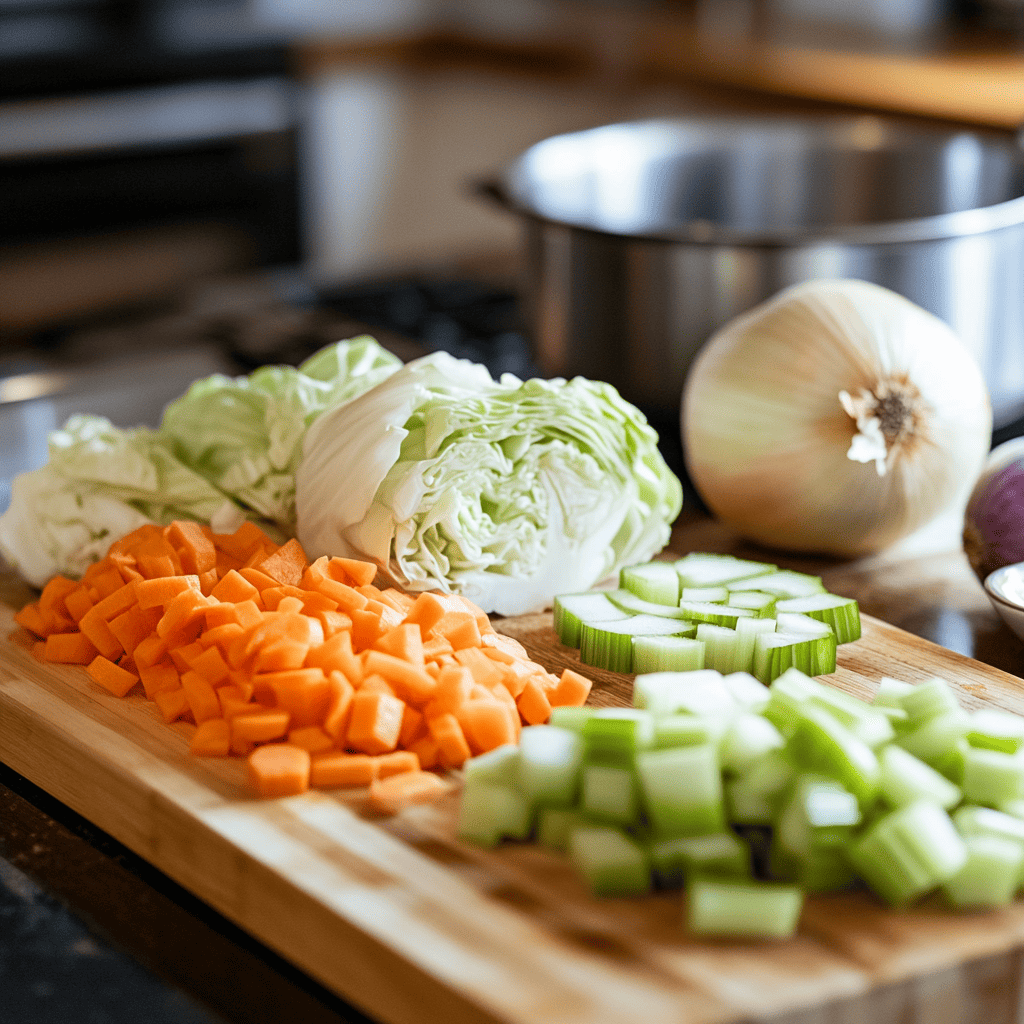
[840, 613]
[761, 604]
[705, 570]
[611, 862]
[783, 583]
[682, 790]
[991, 776]
[570, 717]
[929, 699]
[500, 765]
[787, 693]
[997, 730]
[490, 812]
[742, 908]
[667, 654]
[629, 603]
[749, 738]
[570, 611]
[861, 718]
[550, 760]
[821, 743]
[615, 735]
[609, 645]
[714, 595]
[890, 693]
[721, 648]
[684, 731]
[657, 582]
[904, 779]
[716, 614]
[937, 738]
[698, 693]
[747, 692]
[774, 653]
[718, 853]
[971, 820]
[556, 824]
[610, 794]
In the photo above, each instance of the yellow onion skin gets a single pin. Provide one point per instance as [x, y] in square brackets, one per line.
[765, 436]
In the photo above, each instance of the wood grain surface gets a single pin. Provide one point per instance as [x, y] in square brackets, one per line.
[410, 925]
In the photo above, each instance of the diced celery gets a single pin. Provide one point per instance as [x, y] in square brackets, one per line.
[820, 743]
[972, 820]
[718, 853]
[748, 692]
[697, 693]
[840, 613]
[748, 738]
[704, 570]
[570, 717]
[550, 759]
[610, 793]
[787, 694]
[817, 814]
[609, 645]
[682, 790]
[776, 652]
[655, 581]
[616, 734]
[490, 812]
[937, 738]
[909, 852]
[500, 765]
[745, 805]
[928, 699]
[684, 731]
[997, 730]
[863, 720]
[628, 602]
[610, 862]
[821, 870]
[890, 692]
[667, 654]
[747, 631]
[556, 824]
[903, 779]
[990, 877]
[991, 776]
[716, 614]
[742, 908]
[570, 611]
[721, 648]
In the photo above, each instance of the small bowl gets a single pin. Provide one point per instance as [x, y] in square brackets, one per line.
[1005, 589]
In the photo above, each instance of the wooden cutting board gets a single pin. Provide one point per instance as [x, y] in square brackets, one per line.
[413, 927]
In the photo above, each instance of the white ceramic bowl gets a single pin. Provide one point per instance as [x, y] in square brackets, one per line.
[1005, 589]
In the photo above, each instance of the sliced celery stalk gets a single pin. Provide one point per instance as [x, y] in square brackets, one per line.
[570, 717]
[909, 852]
[706, 570]
[682, 790]
[490, 812]
[570, 611]
[818, 813]
[991, 875]
[609, 645]
[550, 759]
[614, 735]
[757, 793]
[904, 779]
[936, 738]
[783, 583]
[716, 614]
[722, 648]
[684, 731]
[997, 730]
[629, 603]
[928, 699]
[500, 765]
[991, 776]
[717, 906]
[776, 652]
[760, 603]
[654, 581]
[611, 862]
[748, 692]
[556, 824]
[787, 694]
[667, 654]
[842, 614]
[971, 820]
[890, 693]
[861, 718]
[716, 595]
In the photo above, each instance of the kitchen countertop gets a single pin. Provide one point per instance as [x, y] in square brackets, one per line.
[93, 933]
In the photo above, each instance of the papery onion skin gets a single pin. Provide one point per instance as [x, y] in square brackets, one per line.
[766, 438]
[994, 520]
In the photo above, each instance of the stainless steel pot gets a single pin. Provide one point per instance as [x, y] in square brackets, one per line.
[642, 238]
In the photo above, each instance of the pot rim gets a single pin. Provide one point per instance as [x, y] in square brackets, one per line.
[1009, 213]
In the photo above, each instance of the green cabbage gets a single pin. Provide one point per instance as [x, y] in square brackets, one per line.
[244, 434]
[101, 482]
[507, 492]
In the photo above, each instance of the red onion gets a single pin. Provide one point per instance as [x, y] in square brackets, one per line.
[994, 520]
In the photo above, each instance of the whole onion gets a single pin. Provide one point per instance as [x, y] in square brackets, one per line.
[994, 519]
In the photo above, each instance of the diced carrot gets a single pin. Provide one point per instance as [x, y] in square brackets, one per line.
[110, 676]
[533, 702]
[304, 693]
[334, 622]
[70, 649]
[133, 626]
[260, 580]
[52, 599]
[106, 581]
[483, 669]
[402, 641]
[452, 746]
[395, 763]
[195, 549]
[454, 685]
[287, 563]
[347, 598]
[390, 795]
[279, 655]
[410, 682]
[367, 628]
[427, 750]
[335, 722]
[336, 653]
[150, 650]
[161, 590]
[279, 769]
[353, 571]
[159, 566]
[220, 636]
[202, 698]
[374, 723]
[426, 611]
[259, 726]
[184, 656]
[212, 738]
[173, 704]
[572, 690]
[311, 738]
[506, 644]
[117, 602]
[375, 683]
[248, 613]
[211, 666]
[97, 629]
[78, 603]
[207, 581]
[336, 770]
[159, 678]
[414, 725]
[184, 611]
[486, 724]
[241, 544]
[31, 619]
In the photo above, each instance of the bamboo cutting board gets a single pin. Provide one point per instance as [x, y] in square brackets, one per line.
[413, 927]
